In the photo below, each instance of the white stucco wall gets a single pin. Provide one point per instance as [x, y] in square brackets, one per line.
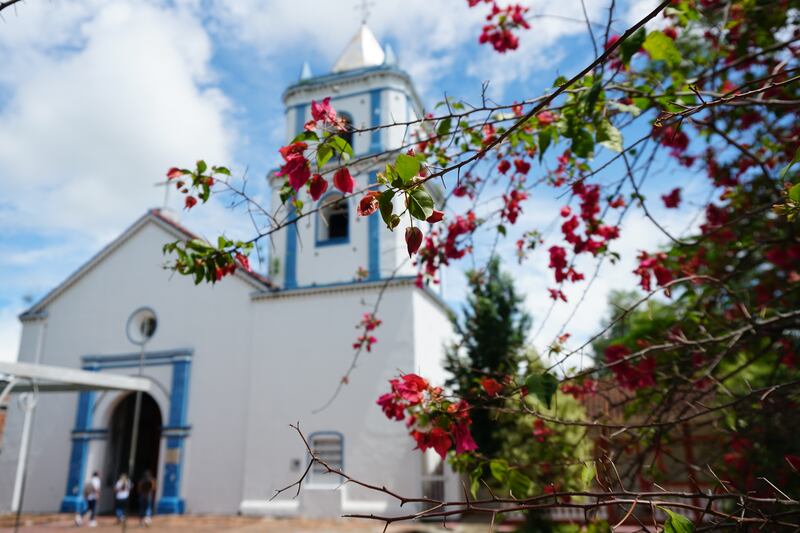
[311, 365]
[90, 318]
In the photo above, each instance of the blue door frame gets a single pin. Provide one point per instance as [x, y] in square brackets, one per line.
[175, 432]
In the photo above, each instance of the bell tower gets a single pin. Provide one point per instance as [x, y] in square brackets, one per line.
[335, 245]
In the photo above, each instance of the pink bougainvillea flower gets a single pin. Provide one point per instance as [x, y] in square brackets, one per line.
[323, 110]
[317, 187]
[413, 240]
[174, 173]
[546, 118]
[343, 181]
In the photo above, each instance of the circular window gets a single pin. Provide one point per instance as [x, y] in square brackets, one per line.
[142, 325]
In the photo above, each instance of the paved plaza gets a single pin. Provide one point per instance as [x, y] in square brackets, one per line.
[237, 524]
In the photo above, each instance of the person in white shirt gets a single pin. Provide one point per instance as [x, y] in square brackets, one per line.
[91, 492]
[122, 490]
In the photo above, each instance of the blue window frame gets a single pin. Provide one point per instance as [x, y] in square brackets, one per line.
[332, 224]
[347, 135]
[329, 447]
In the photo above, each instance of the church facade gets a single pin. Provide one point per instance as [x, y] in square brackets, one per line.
[235, 363]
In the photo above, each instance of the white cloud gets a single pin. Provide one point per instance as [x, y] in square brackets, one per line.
[86, 135]
[98, 99]
[10, 330]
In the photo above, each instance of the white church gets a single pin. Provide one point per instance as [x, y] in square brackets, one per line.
[232, 365]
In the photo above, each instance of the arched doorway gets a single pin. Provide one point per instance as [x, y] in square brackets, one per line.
[119, 446]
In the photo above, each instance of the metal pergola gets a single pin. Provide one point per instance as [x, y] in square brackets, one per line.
[29, 380]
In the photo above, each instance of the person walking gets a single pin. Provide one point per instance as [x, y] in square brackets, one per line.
[147, 492]
[91, 493]
[122, 491]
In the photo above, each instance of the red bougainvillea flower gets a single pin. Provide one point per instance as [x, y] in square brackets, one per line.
[491, 386]
[436, 216]
[522, 166]
[673, 199]
[190, 202]
[540, 430]
[463, 437]
[503, 166]
[368, 204]
[343, 181]
[437, 438]
[653, 265]
[317, 187]
[413, 240]
[323, 110]
[794, 461]
[411, 388]
[244, 261]
[174, 173]
[391, 408]
[296, 166]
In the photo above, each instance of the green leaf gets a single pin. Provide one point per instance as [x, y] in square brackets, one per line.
[475, 481]
[305, 136]
[794, 193]
[609, 136]
[545, 136]
[341, 147]
[592, 97]
[677, 523]
[221, 170]
[625, 108]
[201, 166]
[444, 127]
[542, 386]
[324, 154]
[662, 48]
[561, 80]
[499, 469]
[386, 206]
[632, 44]
[587, 474]
[582, 144]
[407, 166]
[420, 203]
[519, 484]
[795, 159]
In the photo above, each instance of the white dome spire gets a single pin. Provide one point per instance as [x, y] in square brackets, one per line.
[363, 50]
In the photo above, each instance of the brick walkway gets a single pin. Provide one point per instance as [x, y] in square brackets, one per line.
[232, 524]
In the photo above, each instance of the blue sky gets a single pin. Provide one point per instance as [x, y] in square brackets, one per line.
[98, 98]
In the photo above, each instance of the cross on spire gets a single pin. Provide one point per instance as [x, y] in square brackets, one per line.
[363, 7]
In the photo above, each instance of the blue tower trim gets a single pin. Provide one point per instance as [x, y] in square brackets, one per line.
[171, 501]
[375, 145]
[374, 233]
[290, 268]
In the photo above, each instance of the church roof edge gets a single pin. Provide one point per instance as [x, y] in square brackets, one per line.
[37, 310]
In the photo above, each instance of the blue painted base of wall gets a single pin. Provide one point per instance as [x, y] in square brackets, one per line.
[72, 504]
[171, 506]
